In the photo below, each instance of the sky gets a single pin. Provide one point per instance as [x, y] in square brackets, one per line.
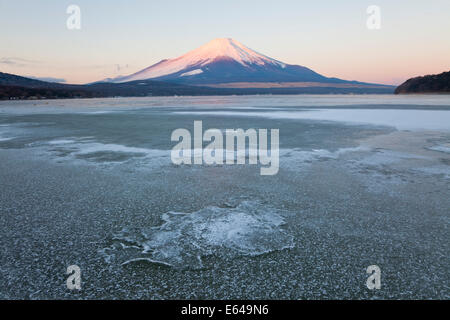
[121, 37]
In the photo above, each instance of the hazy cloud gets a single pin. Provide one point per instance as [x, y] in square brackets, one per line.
[17, 61]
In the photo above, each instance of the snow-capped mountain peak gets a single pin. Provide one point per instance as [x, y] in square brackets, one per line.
[228, 48]
[193, 61]
[225, 60]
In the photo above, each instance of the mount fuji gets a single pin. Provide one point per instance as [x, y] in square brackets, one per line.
[221, 67]
[228, 63]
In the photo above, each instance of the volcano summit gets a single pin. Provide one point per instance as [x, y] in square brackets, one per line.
[225, 62]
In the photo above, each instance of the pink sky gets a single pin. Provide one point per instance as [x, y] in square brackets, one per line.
[123, 37]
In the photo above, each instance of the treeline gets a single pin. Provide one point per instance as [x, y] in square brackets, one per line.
[437, 83]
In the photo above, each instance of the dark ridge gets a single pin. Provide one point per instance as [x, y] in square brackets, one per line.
[14, 87]
[436, 83]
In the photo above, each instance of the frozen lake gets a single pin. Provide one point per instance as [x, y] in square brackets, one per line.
[362, 180]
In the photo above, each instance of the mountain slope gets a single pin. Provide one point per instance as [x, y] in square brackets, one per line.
[7, 79]
[17, 87]
[226, 60]
[437, 83]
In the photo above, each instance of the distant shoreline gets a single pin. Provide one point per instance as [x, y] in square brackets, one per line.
[109, 91]
[188, 96]
[14, 87]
